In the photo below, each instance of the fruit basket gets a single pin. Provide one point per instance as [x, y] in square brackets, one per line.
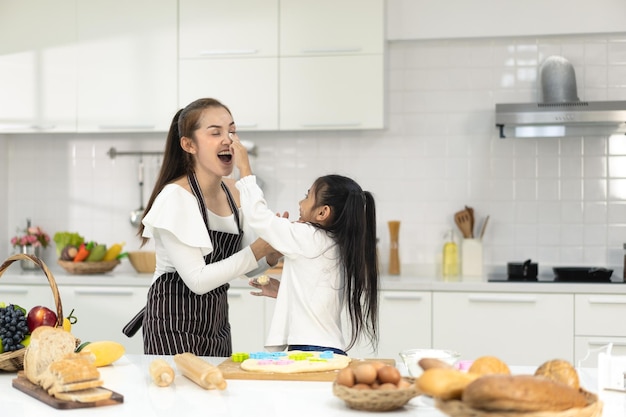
[456, 408]
[374, 399]
[86, 268]
[14, 361]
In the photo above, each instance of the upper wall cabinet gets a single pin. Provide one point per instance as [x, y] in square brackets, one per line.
[288, 65]
[37, 66]
[127, 67]
[228, 51]
[328, 27]
[427, 19]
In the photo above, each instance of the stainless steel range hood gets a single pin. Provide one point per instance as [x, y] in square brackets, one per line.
[560, 113]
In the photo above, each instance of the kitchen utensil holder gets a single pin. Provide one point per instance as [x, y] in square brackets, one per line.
[472, 259]
[14, 361]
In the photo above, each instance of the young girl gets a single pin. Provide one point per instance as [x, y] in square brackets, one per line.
[330, 262]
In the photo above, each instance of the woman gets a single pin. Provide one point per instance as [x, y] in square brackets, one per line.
[200, 238]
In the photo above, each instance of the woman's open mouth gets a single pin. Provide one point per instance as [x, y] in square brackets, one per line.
[225, 156]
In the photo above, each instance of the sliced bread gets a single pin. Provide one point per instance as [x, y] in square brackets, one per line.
[47, 344]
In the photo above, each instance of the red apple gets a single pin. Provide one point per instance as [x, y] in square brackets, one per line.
[40, 316]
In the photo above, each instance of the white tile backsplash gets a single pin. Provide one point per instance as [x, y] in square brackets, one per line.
[557, 201]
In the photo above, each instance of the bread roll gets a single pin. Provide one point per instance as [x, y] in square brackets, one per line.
[561, 371]
[444, 383]
[47, 344]
[487, 365]
[428, 363]
[521, 393]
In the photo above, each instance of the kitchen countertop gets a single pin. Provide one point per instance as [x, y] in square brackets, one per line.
[129, 377]
[406, 282]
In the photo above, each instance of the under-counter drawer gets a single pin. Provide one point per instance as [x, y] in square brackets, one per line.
[600, 315]
[586, 349]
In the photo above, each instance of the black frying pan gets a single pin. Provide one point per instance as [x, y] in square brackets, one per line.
[582, 274]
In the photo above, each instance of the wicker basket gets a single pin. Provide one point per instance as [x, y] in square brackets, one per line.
[456, 408]
[14, 361]
[86, 268]
[373, 399]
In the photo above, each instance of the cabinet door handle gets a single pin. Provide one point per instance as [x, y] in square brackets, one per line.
[403, 296]
[103, 292]
[331, 50]
[501, 299]
[339, 124]
[126, 127]
[14, 291]
[607, 300]
[233, 294]
[604, 343]
[219, 52]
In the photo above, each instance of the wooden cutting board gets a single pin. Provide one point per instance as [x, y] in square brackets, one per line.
[23, 384]
[232, 370]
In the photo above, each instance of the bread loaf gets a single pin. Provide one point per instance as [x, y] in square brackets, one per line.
[47, 344]
[561, 371]
[444, 383]
[486, 365]
[521, 393]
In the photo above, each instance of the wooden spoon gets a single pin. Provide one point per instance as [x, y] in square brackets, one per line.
[463, 221]
[470, 210]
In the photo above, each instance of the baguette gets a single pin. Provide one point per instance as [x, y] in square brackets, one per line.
[521, 393]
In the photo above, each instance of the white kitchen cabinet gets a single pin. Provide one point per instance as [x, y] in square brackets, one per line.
[29, 296]
[103, 311]
[127, 65]
[599, 321]
[236, 28]
[419, 19]
[333, 92]
[519, 328]
[405, 322]
[329, 27]
[246, 314]
[249, 87]
[37, 66]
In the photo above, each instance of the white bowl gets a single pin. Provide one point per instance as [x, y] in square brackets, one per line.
[411, 357]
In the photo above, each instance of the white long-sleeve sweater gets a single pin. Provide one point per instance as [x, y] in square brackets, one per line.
[310, 301]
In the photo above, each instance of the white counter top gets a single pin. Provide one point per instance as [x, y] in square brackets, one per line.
[129, 377]
[16, 276]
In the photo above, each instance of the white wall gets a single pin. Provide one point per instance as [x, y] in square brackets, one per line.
[557, 201]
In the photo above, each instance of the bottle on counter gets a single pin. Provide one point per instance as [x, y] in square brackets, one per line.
[450, 266]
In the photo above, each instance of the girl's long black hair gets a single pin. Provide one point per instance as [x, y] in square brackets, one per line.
[353, 226]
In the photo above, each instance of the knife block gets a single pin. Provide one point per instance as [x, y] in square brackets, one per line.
[394, 252]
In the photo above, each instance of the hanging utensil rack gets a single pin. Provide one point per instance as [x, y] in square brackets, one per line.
[113, 153]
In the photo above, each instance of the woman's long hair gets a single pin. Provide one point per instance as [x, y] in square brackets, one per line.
[176, 161]
[353, 226]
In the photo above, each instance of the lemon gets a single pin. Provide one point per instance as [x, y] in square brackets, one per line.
[105, 351]
[67, 326]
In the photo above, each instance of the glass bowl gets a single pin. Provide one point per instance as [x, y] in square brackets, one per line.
[411, 357]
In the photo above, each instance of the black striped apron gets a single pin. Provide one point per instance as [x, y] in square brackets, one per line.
[176, 319]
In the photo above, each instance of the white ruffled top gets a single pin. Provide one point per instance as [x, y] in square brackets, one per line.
[181, 242]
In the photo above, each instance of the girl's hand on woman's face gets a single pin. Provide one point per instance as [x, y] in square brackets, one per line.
[240, 153]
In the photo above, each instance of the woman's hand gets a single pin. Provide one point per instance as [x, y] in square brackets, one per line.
[240, 153]
[268, 290]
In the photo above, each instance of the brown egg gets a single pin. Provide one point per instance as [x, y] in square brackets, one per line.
[361, 386]
[365, 373]
[377, 365]
[403, 383]
[345, 377]
[388, 386]
[389, 374]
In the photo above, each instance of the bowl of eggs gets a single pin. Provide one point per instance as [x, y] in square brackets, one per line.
[373, 386]
[411, 358]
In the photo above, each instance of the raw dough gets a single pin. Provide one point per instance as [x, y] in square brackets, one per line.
[285, 365]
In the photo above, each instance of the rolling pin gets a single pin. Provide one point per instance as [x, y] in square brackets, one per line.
[200, 371]
[161, 373]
